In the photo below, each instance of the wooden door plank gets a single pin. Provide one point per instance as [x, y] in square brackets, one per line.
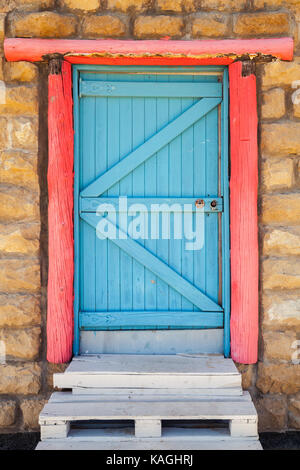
[158, 267]
[151, 146]
[149, 89]
[149, 320]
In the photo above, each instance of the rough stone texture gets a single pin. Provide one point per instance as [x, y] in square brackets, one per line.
[281, 274]
[31, 409]
[278, 345]
[2, 26]
[20, 100]
[46, 24]
[158, 26]
[176, 5]
[261, 23]
[9, 5]
[82, 5]
[210, 25]
[20, 71]
[281, 138]
[278, 173]
[278, 378]
[283, 209]
[272, 413]
[21, 344]
[103, 26]
[224, 5]
[128, 5]
[22, 379]
[273, 104]
[20, 239]
[282, 241]
[18, 204]
[296, 108]
[18, 275]
[20, 169]
[281, 73]
[7, 412]
[22, 133]
[294, 412]
[19, 310]
[248, 372]
[281, 310]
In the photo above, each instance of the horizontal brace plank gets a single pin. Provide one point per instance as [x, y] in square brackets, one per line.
[149, 89]
[211, 50]
[122, 204]
[149, 320]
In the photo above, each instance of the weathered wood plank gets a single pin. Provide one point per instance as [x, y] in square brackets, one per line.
[243, 216]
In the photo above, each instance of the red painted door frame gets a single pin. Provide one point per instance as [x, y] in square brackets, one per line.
[243, 163]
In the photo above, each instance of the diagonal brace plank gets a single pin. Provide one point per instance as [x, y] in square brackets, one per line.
[158, 267]
[150, 147]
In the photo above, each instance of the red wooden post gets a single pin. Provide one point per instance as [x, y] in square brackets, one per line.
[60, 213]
[243, 214]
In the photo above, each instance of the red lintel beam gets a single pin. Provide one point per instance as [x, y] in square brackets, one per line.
[35, 50]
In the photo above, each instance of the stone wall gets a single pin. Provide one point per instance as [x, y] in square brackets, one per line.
[26, 377]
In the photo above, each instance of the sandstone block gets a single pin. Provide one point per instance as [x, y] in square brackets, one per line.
[23, 133]
[18, 310]
[20, 239]
[273, 104]
[2, 26]
[20, 71]
[281, 310]
[281, 274]
[281, 72]
[22, 379]
[281, 139]
[282, 241]
[31, 409]
[19, 169]
[210, 25]
[44, 24]
[7, 412]
[18, 204]
[278, 345]
[21, 344]
[253, 24]
[224, 5]
[176, 5]
[20, 100]
[278, 378]
[272, 413]
[9, 5]
[294, 412]
[127, 5]
[158, 26]
[248, 372]
[278, 173]
[103, 26]
[19, 275]
[283, 209]
[81, 5]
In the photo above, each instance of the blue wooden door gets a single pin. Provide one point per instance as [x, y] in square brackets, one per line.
[150, 237]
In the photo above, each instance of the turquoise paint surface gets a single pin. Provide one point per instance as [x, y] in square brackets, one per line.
[135, 142]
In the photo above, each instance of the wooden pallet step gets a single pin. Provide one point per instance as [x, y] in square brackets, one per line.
[64, 408]
[148, 371]
[172, 438]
